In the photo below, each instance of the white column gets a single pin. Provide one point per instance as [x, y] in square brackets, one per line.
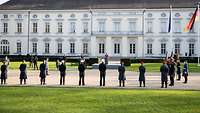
[94, 47]
[109, 45]
[124, 46]
[140, 47]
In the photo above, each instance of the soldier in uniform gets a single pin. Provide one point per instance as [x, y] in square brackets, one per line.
[42, 73]
[47, 66]
[142, 74]
[102, 69]
[23, 74]
[35, 63]
[62, 69]
[178, 66]
[3, 73]
[164, 73]
[185, 72]
[171, 66]
[81, 69]
[122, 78]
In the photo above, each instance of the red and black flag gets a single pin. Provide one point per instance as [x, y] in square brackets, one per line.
[194, 18]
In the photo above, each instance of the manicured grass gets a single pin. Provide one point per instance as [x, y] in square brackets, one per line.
[91, 100]
[155, 67]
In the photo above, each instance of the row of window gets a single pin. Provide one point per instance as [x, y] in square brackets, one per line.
[164, 25]
[47, 27]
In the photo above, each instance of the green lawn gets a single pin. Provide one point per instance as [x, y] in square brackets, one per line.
[151, 67]
[155, 67]
[91, 100]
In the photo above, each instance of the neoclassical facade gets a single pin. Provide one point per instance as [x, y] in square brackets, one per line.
[123, 33]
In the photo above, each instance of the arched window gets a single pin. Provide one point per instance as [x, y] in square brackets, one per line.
[5, 48]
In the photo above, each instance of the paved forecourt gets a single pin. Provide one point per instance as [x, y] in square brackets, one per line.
[92, 79]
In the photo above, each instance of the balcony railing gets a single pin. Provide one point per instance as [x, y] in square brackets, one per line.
[118, 33]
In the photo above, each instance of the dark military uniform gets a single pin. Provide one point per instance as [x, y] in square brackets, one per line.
[178, 66]
[102, 69]
[185, 72]
[35, 63]
[42, 73]
[3, 74]
[23, 75]
[142, 75]
[171, 73]
[81, 69]
[164, 73]
[62, 69]
[122, 78]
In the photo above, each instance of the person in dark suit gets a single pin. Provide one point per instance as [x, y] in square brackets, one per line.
[42, 73]
[3, 73]
[122, 78]
[142, 71]
[164, 74]
[102, 69]
[178, 66]
[171, 66]
[185, 71]
[81, 69]
[23, 74]
[62, 69]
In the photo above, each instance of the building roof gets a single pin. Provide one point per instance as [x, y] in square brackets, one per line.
[94, 4]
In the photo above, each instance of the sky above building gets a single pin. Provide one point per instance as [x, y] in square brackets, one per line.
[2, 1]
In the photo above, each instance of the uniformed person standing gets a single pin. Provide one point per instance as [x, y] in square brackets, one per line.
[178, 67]
[122, 78]
[142, 71]
[171, 67]
[23, 74]
[164, 74]
[102, 69]
[47, 66]
[42, 73]
[35, 63]
[81, 69]
[3, 73]
[62, 69]
[185, 71]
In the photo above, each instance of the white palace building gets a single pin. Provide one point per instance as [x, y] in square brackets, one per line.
[120, 28]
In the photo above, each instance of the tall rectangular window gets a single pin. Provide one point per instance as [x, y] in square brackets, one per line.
[177, 26]
[35, 25]
[5, 27]
[177, 48]
[101, 48]
[132, 48]
[132, 26]
[72, 47]
[149, 27]
[19, 27]
[163, 48]
[163, 27]
[101, 26]
[59, 47]
[149, 48]
[47, 27]
[19, 47]
[46, 48]
[72, 27]
[85, 48]
[85, 27]
[116, 48]
[191, 49]
[60, 27]
[116, 26]
[34, 44]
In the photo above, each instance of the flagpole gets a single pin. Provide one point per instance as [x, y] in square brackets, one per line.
[198, 38]
[171, 31]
